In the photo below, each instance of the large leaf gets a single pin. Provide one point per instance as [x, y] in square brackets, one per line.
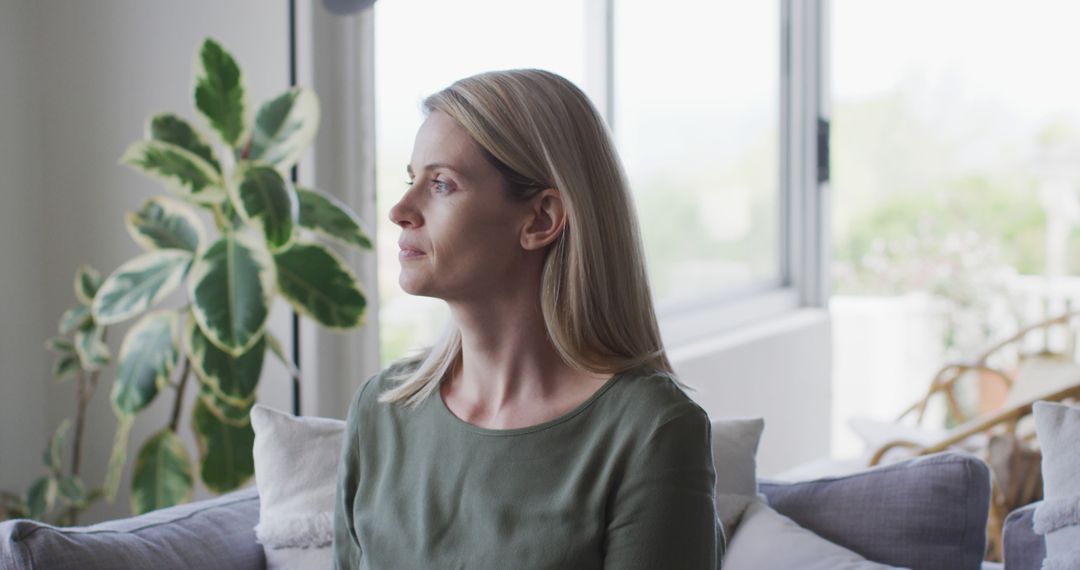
[74, 318]
[220, 95]
[232, 414]
[224, 449]
[266, 199]
[284, 127]
[139, 283]
[41, 497]
[87, 282]
[232, 378]
[54, 455]
[230, 287]
[328, 216]
[165, 223]
[318, 284]
[180, 170]
[170, 128]
[118, 456]
[163, 476]
[90, 346]
[148, 357]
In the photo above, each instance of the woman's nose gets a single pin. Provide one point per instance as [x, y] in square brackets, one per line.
[404, 214]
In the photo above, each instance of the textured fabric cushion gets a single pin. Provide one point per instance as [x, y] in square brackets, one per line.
[1024, 550]
[927, 513]
[767, 540]
[216, 533]
[1058, 517]
[296, 464]
[734, 447]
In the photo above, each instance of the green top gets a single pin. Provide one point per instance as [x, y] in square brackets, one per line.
[625, 480]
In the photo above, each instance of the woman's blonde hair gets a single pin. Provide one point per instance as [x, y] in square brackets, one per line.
[540, 131]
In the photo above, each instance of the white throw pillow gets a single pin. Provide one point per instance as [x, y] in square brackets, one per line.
[734, 449]
[1058, 517]
[296, 465]
[767, 540]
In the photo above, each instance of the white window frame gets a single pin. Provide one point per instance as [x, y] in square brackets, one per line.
[804, 198]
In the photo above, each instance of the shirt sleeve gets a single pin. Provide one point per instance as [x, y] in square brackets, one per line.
[347, 551]
[664, 514]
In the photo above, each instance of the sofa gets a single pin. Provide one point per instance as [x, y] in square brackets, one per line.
[924, 513]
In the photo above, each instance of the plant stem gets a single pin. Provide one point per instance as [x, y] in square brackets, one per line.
[84, 391]
[175, 421]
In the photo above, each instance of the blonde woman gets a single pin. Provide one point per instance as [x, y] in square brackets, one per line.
[546, 429]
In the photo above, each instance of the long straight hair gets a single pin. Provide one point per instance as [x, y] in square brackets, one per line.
[540, 131]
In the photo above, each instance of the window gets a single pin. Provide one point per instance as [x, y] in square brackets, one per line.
[695, 95]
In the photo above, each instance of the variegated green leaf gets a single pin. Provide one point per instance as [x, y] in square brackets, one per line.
[232, 378]
[220, 95]
[180, 170]
[284, 127]
[170, 128]
[139, 283]
[90, 346]
[41, 497]
[165, 223]
[148, 357]
[118, 456]
[87, 282]
[330, 217]
[60, 344]
[232, 414]
[74, 318]
[231, 285]
[264, 198]
[279, 351]
[65, 366]
[163, 476]
[318, 284]
[71, 488]
[224, 449]
[54, 455]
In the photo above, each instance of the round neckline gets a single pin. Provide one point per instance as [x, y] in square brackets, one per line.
[526, 429]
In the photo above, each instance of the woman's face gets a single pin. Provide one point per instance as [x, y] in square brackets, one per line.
[460, 233]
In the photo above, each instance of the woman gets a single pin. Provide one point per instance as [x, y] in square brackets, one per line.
[545, 429]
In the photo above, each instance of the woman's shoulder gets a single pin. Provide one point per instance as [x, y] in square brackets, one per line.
[655, 396]
[388, 377]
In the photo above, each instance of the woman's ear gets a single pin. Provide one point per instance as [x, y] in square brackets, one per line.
[547, 218]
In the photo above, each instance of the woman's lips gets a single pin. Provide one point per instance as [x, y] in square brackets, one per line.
[409, 253]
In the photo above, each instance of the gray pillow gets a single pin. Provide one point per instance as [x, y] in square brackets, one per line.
[218, 533]
[928, 513]
[1024, 550]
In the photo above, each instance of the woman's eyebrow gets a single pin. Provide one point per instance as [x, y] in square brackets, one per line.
[433, 166]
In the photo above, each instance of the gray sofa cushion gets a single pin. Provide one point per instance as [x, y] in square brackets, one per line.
[1024, 550]
[217, 533]
[928, 513]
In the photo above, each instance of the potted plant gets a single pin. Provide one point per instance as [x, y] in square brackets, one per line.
[264, 247]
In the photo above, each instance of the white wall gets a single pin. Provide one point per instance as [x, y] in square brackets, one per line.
[24, 322]
[778, 370]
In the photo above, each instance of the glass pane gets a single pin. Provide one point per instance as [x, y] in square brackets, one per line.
[422, 46]
[697, 124]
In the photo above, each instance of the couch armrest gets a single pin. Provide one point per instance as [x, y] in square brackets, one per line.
[215, 533]
[1024, 550]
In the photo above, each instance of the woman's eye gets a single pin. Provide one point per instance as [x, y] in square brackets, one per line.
[408, 183]
[440, 186]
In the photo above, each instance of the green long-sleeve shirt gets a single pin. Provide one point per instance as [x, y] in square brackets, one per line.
[625, 480]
